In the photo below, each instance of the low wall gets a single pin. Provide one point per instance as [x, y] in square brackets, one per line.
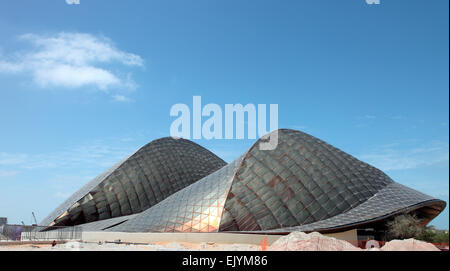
[222, 238]
[215, 237]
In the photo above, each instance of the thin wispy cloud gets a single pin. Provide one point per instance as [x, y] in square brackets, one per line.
[7, 159]
[398, 157]
[61, 195]
[90, 156]
[366, 117]
[299, 127]
[302, 128]
[121, 98]
[71, 60]
[61, 186]
[365, 120]
[435, 187]
[397, 117]
[7, 173]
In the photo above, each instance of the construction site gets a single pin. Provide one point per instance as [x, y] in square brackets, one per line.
[76, 240]
[173, 194]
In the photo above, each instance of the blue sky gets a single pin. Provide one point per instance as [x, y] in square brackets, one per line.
[369, 79]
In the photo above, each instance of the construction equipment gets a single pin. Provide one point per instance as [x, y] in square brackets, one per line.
[35, 220]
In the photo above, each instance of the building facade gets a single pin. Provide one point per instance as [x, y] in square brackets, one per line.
[304, 184]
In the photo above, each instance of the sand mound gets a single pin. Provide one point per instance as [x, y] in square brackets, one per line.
[300, 241]
[408, 245]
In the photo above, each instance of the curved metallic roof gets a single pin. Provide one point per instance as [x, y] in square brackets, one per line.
[304, 183]
[392, 199]
[148, 176]
[197, 208]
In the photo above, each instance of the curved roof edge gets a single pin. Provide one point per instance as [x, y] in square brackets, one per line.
[378, 208]
[79, 194]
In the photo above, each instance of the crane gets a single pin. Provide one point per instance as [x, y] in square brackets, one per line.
[35, 220]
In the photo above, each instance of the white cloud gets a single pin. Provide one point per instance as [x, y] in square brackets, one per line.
[10, 67]
[7, 173]
[121, 98]
[396, 157]
[71, 60]
[74, 77]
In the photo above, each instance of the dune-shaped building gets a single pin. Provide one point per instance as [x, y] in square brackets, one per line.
[303, 184]
[146, 177]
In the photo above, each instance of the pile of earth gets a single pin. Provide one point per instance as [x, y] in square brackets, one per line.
[408, 245]
[300, 241]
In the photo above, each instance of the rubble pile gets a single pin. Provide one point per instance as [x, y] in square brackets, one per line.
[408, 245]
[300, 241]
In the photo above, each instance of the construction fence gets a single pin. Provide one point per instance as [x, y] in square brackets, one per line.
[38, 233]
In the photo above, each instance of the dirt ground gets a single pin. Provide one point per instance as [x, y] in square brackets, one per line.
[296, 241]
[160, 246]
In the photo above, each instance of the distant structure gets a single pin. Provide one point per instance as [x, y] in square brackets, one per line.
[304, 184]
[3, 221]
